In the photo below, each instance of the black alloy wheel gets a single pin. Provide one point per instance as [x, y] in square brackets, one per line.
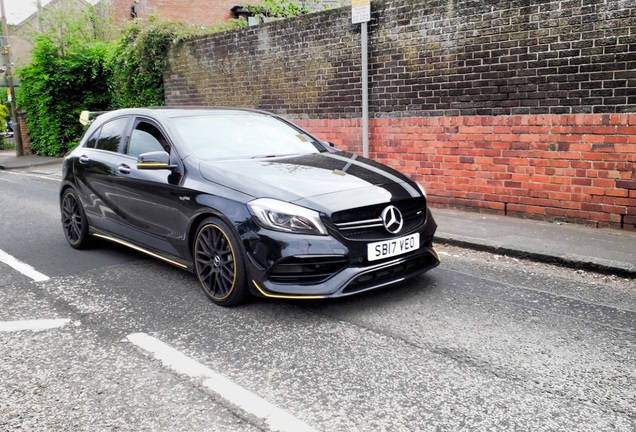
[219, 263]
[74, 222]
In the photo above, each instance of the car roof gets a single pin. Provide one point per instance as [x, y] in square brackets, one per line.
[164, 114]
[174, 112]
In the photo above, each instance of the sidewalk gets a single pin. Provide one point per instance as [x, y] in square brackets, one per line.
[8, 160]
[569, 245]
[602, 250]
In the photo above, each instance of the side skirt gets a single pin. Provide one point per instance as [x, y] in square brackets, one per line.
[182, 265]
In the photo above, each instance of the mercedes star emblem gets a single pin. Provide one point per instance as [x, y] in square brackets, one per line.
[392, 219]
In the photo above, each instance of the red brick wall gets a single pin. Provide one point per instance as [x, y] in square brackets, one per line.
[200, 12]
[516, 107]
[576, 168]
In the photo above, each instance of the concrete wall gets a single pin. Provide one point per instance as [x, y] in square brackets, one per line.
[525, 108]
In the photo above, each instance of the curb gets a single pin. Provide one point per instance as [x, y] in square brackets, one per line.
[576, 263]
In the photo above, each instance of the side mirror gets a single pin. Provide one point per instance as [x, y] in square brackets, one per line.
[85, 116]
[157, 160]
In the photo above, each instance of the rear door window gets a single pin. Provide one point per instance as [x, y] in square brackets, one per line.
[93, 139]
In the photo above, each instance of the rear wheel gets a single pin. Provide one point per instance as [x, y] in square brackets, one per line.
[74, 222]
[219, 263]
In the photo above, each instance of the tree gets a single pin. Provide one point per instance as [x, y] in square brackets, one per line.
[71, 23]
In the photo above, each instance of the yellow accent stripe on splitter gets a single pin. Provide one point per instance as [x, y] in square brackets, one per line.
[137, 248]
[287, 296]
[437, 253]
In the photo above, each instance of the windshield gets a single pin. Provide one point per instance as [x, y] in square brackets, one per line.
[242, 135]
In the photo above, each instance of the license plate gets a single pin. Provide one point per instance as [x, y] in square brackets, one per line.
[394, 247]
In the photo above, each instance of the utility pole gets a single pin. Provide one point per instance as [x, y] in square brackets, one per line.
[6, 52]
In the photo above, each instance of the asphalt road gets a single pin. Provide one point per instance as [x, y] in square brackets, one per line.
[482, 343]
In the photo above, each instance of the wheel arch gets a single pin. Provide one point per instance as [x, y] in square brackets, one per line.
[198, 219]
[66, 186]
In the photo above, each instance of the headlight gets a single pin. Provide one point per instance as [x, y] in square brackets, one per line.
[282, 216]
[422, 189]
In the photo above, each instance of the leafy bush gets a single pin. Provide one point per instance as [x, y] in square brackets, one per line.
[140, 56]
[56, 87]
[5, 115]
[137, 64]
[268, 10]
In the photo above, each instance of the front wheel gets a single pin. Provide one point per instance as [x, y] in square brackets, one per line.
[74, 221]
[219, 263]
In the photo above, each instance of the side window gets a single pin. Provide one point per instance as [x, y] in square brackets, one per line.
[93, 139]
[110, 135]
[146, 138]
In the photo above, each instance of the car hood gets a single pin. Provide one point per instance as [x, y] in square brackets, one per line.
[326, 182]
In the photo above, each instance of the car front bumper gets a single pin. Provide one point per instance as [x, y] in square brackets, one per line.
[282, 265]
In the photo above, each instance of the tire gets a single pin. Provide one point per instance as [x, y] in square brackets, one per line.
[74, 221]
[219, 263]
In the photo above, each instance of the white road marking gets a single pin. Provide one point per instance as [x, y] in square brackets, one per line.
[54, 177]
[23, 268]
[275, 419]
[35, 325]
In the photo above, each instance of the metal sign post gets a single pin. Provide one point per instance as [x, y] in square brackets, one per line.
[17, 133]
[361, 13]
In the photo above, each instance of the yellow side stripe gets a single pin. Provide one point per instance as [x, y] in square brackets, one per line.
[137, 248]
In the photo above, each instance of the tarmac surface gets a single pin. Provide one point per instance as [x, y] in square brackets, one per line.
[594, 249]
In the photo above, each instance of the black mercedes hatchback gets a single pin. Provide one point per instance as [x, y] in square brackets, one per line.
[249, 202]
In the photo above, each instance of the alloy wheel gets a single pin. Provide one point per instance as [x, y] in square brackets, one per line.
[74, 222]
[215, 262]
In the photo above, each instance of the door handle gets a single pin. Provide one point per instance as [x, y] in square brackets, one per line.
[83, 159]
[124, 169]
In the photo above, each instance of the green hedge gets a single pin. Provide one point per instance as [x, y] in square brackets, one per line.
[56, 87]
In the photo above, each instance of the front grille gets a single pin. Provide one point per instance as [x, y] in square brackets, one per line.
[397, 272]
[306, 270]
[365, 223]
